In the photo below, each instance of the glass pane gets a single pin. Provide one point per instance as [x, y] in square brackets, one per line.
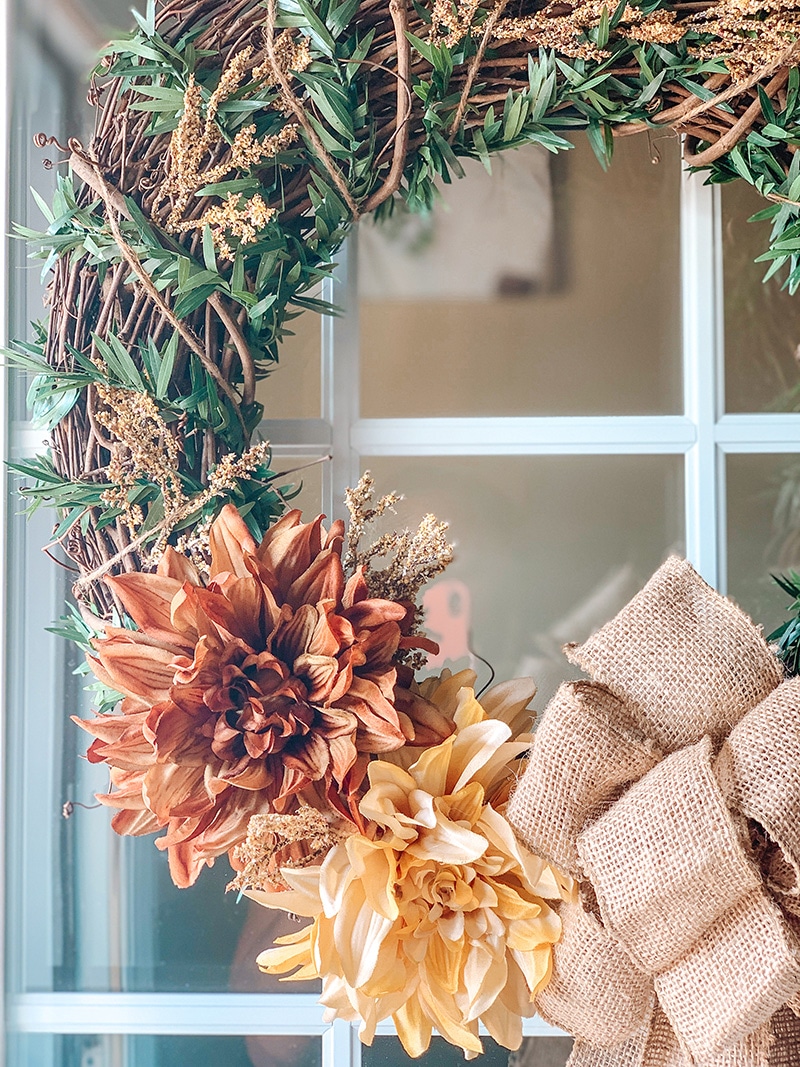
[293, 390]
[100, 912]
[82, 1050]
[550, 288]
[88, 910]
[547, 549]
[762, 321]
[303, 475]
[534, 1052]
[763, 532]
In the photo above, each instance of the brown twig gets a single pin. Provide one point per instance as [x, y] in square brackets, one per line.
[474, 67]
[399, 11]
[188, 335]
[739, 129]
[300, 113]
[217, 302]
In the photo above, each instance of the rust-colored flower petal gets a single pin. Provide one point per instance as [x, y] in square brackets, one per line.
[175, 565]
[147, 598]
[322, 580]
[229, 540]
[139, 669]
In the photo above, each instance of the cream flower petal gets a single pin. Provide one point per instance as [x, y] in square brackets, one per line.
[508, 701]
[473, 748]
[358, 932]
[504, 1026]
[497, 766]
[290, 951]
[469, 711]
[333, 880]
[413, 1027]
[433, 915]
[485, 975]
[444, 1015]
[289, 900]
[375, 867]
[448, 842]
[430, 770]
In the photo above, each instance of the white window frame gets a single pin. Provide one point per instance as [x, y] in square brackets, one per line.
[702, 434]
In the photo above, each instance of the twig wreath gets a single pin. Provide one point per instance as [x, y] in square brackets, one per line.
[235, 144]
[263, 670]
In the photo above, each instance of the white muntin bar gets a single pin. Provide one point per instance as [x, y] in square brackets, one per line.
[702, 374]
[567, 435]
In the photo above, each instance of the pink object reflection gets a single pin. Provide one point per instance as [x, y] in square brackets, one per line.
[448, 620]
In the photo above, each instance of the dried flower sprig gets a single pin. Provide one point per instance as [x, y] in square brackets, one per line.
[415, 558]
[276, 841]
[145, 448]
[197, 140]
[568, 32]
[234, 218]
[748, 34]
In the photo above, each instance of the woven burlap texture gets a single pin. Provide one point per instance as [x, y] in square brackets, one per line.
[657, 895]
[595, 990]
[689, 854]
[685, 661]
[606, 753]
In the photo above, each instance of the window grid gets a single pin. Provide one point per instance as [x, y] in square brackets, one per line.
[703, 434]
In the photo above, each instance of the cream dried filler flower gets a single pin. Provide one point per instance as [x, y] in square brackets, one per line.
[435, 915]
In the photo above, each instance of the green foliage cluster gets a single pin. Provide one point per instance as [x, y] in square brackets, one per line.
[787, 636]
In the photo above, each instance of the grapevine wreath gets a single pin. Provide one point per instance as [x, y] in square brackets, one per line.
[258, 676]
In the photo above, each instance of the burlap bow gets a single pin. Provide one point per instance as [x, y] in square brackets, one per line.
[669, 787]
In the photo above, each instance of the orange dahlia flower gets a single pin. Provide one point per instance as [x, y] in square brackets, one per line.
[273, 682]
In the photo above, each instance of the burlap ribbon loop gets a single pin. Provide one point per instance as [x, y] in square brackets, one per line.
[669, 786]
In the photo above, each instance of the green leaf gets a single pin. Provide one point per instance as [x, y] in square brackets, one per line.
[424, 49]
[191, 301]
[317, 30]
[167, 366]
[259, 309]
[43, 206]
[148, 22]
[209, 251]
[118, 361]
[340, 17]
[603, 29]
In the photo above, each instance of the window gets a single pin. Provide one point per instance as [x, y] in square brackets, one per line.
[554, 365]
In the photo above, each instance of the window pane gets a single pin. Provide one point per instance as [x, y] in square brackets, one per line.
[762, 321]
[303, 475]
[293, 390]
[550, 288]
[534, 1052]
[763, 532]
[118, 923]
[82, 1050]
[547, 549]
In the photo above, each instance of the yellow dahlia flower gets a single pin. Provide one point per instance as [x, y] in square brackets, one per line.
[437, 915]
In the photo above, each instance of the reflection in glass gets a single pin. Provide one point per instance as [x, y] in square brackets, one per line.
[300, 475]
[534, 1052]
[762, 321]
[116, 921]
[547, 549]
[550, 288]
[84, 1050]
[292, 390]
[763, 532]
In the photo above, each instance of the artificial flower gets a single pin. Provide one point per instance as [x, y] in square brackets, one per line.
[275, 681]
[436, 915]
